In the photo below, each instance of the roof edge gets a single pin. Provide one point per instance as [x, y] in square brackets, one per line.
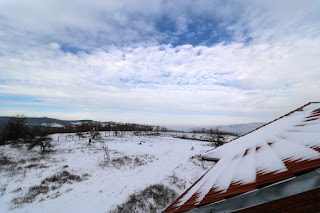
[276, 191]
[298, 109]
[186, 191]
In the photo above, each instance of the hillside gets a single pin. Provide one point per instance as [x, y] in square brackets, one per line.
[240, 129]
[56, 122]
[75, 176]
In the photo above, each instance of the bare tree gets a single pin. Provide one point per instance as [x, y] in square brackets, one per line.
[94, 134]
[43, 142]
[2, 135]
[163, 129]
[106, 152]
[14, 129]
[217, 136]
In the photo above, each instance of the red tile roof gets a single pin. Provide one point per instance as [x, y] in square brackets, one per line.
[281, 149]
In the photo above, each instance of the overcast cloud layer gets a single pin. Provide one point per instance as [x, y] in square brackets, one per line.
[170, 63]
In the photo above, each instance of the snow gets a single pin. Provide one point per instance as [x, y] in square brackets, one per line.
[267, 161]
[52, 125]
[295, 152]
[105, 186]
[263, 151]
[77, 123]
[245, 172]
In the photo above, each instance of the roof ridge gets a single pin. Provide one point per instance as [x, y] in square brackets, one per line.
[298, 109]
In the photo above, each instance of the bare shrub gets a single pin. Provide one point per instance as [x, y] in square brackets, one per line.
[196, 160]
[43, 142]
[217, 136]
[42, 166]
[61, 178]
[121, 161]
[211, 144]
[34, 159]
[6, 164]
[31, 195]
[95, 135]
[32, 166]
[16, 190]
[52, 183]
[131, 161]
[5, 161]
[152, 199]
[3, 189]
[184, 136]
[174, 180]
[17, 144]
[55, 195]
[22, 161]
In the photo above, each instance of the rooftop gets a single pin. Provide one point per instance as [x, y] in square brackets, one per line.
[281, 149]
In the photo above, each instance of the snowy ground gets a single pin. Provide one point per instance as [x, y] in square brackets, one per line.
[136, 162]
[192, 136]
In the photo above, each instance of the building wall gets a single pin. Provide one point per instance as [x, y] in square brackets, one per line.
[304, 202]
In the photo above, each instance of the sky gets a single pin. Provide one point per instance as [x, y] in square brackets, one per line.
[161, 62]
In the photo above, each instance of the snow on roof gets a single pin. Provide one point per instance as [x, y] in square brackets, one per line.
[281, 149]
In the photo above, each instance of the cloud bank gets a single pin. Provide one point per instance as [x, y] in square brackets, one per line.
[159, 62]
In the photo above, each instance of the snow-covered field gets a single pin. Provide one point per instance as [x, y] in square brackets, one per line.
[136, 162]
[196, 136]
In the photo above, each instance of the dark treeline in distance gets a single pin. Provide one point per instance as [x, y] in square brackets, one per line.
[15, 128]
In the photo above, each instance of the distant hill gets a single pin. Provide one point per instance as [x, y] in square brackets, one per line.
[53, 121]
[239, 129]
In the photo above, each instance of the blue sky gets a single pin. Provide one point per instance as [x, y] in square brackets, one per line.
[174, 63]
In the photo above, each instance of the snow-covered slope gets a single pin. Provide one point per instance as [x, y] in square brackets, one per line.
[135, 163]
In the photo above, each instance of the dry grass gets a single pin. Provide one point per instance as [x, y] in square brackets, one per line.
[52, 183]
[205, 165]
[31, 195]
[152, 199]
[62, 178]
[5, 161]
[3, 189]
[174, 180]
[33, 165]
[130, 162]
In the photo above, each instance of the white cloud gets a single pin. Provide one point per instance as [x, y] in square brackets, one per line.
[90, 24]
[129, 75]
[226, 81]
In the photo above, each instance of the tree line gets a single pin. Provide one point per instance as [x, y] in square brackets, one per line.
[97, 126]
[16, 129]
[215, 130]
